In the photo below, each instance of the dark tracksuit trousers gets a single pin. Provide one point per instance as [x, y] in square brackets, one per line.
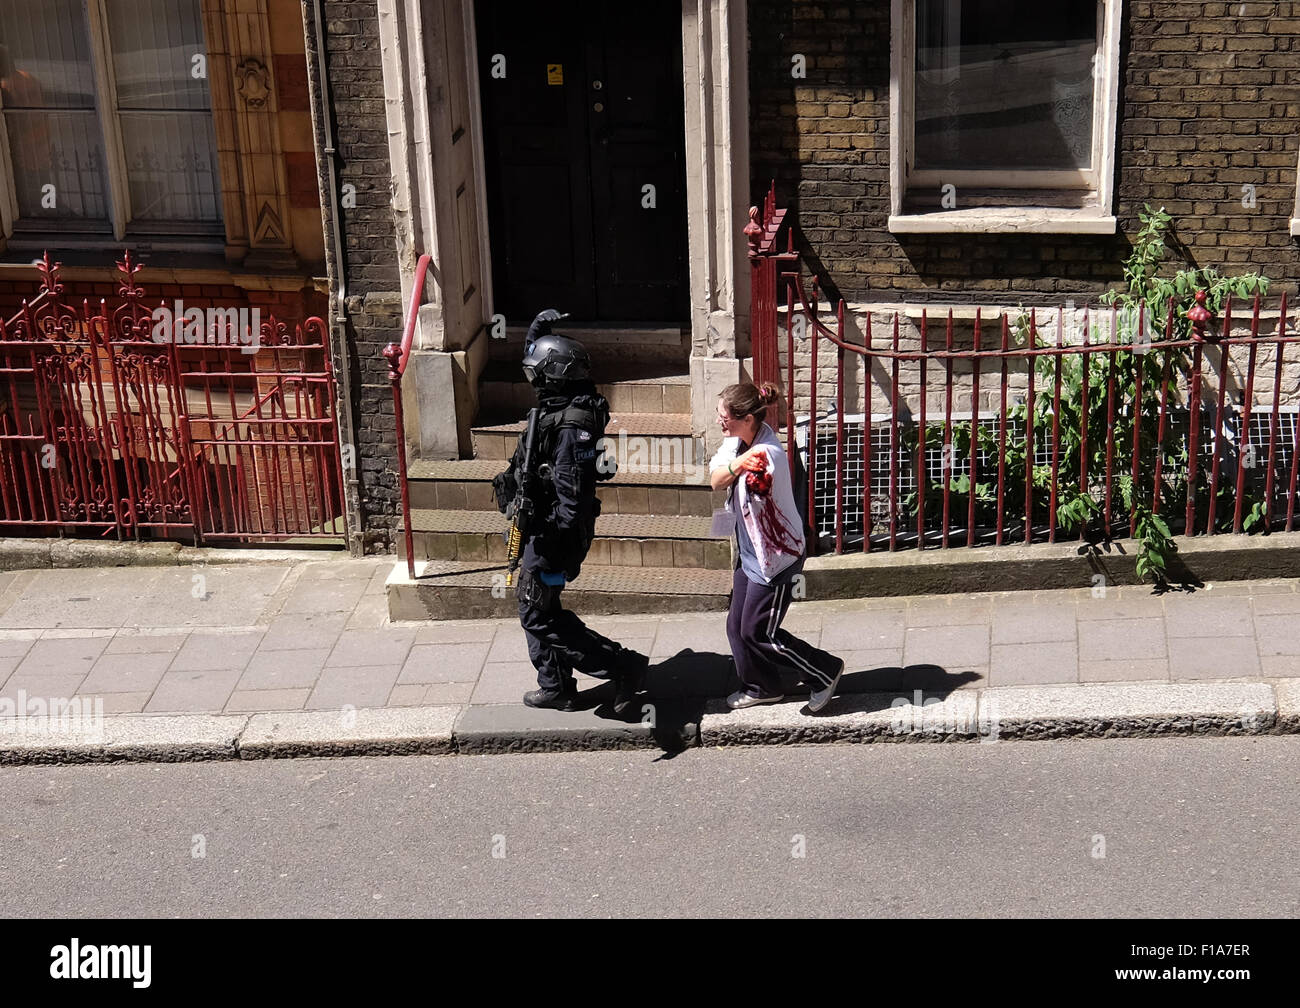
[763, 650]
[559, 643]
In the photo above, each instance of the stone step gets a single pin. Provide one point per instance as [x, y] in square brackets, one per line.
[621, 540]
[450, 589]
[666, 437]
[466, 484]
[503, 394]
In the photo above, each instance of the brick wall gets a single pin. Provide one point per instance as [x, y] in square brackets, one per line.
[1209, 101]
[374, 303]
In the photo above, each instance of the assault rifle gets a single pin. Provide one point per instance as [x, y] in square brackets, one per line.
[520, 511]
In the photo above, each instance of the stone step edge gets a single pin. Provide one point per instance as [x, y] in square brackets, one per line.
[636, 425]
[686, 587]
[1024, 713]
[483, 470]
[447, 521]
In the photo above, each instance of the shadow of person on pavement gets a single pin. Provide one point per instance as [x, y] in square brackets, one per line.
[677, 691]
[680, 690]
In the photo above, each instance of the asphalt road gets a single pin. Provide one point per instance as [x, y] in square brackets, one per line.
[1187, 827]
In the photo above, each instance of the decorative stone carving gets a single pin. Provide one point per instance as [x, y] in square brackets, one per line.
[254, 83]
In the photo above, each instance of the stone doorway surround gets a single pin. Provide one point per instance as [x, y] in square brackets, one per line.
[435, 131]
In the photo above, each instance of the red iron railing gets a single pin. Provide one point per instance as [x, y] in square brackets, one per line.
[397, 357]
[762, 232]
[989, 444]
[208, 433]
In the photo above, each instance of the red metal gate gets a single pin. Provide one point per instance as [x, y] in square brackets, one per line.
[152, 424]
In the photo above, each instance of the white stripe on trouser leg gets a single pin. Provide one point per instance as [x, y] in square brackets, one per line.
[794, 659]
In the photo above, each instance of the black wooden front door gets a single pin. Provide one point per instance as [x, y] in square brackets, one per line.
[583, 136]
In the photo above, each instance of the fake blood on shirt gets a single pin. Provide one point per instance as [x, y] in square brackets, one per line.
[775, 534]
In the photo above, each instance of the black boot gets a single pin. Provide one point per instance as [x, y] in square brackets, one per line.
[631, 679]
[564, 700]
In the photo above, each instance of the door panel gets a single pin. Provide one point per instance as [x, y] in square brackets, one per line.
[568, 162]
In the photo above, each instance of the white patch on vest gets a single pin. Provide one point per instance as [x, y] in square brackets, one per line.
[584, 435]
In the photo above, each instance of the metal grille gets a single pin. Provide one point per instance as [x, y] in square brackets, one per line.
[1174, 471]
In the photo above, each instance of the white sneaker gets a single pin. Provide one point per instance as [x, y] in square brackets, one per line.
[820, 698]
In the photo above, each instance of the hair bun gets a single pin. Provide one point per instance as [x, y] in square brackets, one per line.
[768, 393]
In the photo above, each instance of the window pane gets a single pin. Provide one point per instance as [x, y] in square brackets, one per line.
[1004, 86]
[154, 44]
[165, 112]
[172, 167]
[47, 85]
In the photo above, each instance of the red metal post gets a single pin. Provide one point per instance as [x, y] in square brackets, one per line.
[393, 354]
[867, 446]
[1029, 432]
[948, 452]
[894, 459]
[1244, 446]
[1056, 426]
[1198, 315]
[1224, 350]
[921, 439]
[1273, 426]
[974, 433]
[1084, 417]
[1002, 430]
[1138, 368]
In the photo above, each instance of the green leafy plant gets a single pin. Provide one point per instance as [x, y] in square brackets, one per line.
[1117, 391]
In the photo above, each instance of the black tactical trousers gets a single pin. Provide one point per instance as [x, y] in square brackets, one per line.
[559, 643]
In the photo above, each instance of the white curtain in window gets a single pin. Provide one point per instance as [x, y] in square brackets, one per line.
[163, 104]
[48, 92]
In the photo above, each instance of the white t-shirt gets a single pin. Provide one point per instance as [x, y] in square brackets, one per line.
[769, 530]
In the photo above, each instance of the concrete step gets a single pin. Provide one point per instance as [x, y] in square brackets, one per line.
[666, 439]
[621, 540]
[451, 589]
[504, 395]
[466, 484]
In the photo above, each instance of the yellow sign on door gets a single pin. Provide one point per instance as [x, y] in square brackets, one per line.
[554, 73]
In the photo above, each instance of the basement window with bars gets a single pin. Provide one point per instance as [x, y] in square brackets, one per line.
[106, 124]
[1259, 437]
[1003, 115]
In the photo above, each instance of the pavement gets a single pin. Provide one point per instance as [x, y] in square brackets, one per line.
[299, 657]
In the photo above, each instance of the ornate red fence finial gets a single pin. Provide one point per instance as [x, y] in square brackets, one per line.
[49, 272]
[753, 231]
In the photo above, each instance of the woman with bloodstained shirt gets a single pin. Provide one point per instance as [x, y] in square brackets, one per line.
[770, 540]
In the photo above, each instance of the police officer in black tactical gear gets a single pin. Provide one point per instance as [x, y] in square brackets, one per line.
[572, 421]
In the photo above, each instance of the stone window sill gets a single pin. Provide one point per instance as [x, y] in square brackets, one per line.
[1295, 226]
[1005, 220]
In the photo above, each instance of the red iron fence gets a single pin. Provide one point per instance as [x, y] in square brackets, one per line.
[140, 423]
[1038, 425]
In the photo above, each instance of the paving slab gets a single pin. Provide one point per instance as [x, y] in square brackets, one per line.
[62, 656]
[435, 663]
[212, 649]
[1035, 663]
[1130, 709]
[273, 670]
[1213, 658]
[126, 673]
[353, 686]
[363, 732]
[197, 690]
[388, 646]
